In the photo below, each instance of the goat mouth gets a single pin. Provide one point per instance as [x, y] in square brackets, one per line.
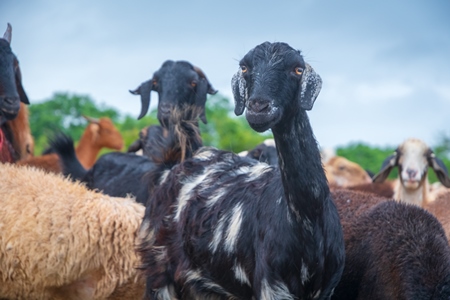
[262, 121]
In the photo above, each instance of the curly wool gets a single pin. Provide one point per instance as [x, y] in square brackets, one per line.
[58, 240]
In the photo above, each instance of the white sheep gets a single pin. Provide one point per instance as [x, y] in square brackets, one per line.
[58, 240]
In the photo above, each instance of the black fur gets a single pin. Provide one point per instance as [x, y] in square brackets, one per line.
[11, 90]
[286, 240]
[177, 83]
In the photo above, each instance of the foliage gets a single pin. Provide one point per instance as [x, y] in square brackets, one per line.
[63, 112]
[225, 131]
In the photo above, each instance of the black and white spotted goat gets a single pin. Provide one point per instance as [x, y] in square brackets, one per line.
[221, 226]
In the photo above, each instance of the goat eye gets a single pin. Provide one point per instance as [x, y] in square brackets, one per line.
[243, 69]
[155, 82]
[193, 83]
[298, 71]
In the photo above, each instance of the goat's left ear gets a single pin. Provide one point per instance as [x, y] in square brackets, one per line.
[388, 164]
[210, 89]
[23, 96]
[439, 168]
[309, 89]
[239, 87]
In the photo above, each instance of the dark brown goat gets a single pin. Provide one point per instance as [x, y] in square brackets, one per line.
[16, 141]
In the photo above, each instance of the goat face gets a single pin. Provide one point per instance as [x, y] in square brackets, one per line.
[270, 76]
[413, 157]
[11, 90]
[177, 83]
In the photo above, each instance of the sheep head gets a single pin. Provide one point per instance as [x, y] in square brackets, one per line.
[413, 157]
[269, 76]
[11, 90]
[177, 83]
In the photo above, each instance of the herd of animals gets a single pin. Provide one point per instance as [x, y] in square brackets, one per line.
[173, 219]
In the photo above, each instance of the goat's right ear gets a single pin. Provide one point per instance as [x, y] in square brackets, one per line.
[240, 93]
[144, 90]
[18, 75]
[439, 168]
[388, 164]
[7, 34]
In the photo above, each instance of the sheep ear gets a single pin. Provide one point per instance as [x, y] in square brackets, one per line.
[310, 86]
[200, 98]
[239, 88]
[7, 34]
[144, 90]
[388, 164]
[439, 168]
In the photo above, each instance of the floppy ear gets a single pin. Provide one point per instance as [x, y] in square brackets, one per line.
[23, 96]
[200, 98]
[144, 90]
[210, 89]
[388, 164]
[7, 34]
[240, 94]
[439, 168]
[310, 86]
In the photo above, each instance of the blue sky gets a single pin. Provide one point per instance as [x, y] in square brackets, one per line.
[385, 65]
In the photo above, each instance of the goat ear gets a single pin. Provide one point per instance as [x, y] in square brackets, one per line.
[200, 98]
[240, 93]
[91, 120]
[7, 34]
[135, 146]
[439, 168]
[388, 164]
[200, 73]
[144, 90]
[309, 89]
[94, 128]
[23, 96]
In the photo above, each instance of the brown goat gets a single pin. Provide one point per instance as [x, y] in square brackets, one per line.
[99, 133]
[342, 172]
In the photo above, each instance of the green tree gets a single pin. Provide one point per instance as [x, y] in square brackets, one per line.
[63, 112]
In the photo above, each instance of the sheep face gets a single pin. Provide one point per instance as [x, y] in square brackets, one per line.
[177, 83]
[11, 90]
[413, 157]
[269, 74]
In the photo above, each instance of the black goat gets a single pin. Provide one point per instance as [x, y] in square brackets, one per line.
[265, 152]
[221, 226]
[393, 250]
[15, 136]
[178, 83]
[120, 174]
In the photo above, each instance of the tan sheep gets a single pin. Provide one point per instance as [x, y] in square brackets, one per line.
[59, 240]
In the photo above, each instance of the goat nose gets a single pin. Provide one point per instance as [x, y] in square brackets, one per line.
[10, 100]
[258, 105]
[411, 173]
[165, 108]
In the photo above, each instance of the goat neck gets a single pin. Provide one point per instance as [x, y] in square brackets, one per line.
[87, 149]
[301, 169]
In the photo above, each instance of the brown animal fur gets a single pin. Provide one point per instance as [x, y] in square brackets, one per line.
[98, 134]
[21, 139]
[341, 172]
[59, 240]
[440, 208]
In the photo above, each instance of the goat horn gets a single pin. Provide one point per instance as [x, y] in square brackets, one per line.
[91, 120]
[7, 35]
